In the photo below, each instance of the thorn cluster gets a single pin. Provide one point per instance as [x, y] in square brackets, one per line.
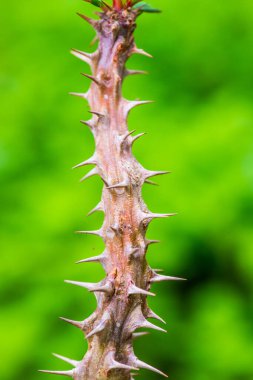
[121, 296]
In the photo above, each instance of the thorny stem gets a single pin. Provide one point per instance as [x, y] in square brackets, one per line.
[121, 297]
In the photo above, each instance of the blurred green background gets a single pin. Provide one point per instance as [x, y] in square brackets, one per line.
[200, 128]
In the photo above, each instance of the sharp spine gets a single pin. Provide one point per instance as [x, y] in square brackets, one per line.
[74, 363]
[90, 174]
[150, 173]
[135, 103]
[96, 330]
[136, 50]
[118, 365]
[152, 216]
[134, 72]
[91, 77]
[79, 94]
[77, 324]
[92, 287]
[126, 135]
[149, 242]
[160, 278]
[139, 334]
[90, 161]
[138, 136]
[116, 229]
[152, 314]
[85, 57]
[150, 325]
[132, 289]
[98, 114]
[99, 207]
[95, 232]
[114, 364]
[90, 21]
[93, 259]
[151, 183]
[60, 373]
[88, 123]
[118, 185]
[100, 327]
[144, 365]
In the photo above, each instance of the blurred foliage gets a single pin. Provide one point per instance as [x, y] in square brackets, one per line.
[200, 128]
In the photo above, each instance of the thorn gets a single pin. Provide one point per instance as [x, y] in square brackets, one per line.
[91, 259]
[106, 288]
[114, 364]
[74, 363]
[86, 285]
[90, 161]
[92, 22]
[91, 173]
[95, 232]
[101, 326]
[151, 314]
[150, 325]
[94, 40]
[150, 173]
[143, 365]
[138, 136]
[142, 322]
[99, 207]
[152, 216]
[93, 287]
[126, 135]
[139, 334]
[151, 183]
[87, 123]
[159, 278]
[98, 114]
[107, 5]
[135, 50]
[118, 185]
[135, 103]
[96, 330]
[60, 373]
[135, 290]
[134, 72]
[116, 229]
[149, 242]
[91, 77]
[85, 57]
[118, 365]
[99, 14]
[79, 94]
[77, 324]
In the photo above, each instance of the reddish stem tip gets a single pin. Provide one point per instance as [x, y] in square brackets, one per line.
[117, 4]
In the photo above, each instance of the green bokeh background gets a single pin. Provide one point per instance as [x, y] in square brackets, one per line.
[200, 128]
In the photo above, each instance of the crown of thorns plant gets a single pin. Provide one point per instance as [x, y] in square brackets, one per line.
[122, 307]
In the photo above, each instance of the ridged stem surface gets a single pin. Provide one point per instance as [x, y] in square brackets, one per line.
[121, 297]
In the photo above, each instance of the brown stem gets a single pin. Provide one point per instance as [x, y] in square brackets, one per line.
[121, 297]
